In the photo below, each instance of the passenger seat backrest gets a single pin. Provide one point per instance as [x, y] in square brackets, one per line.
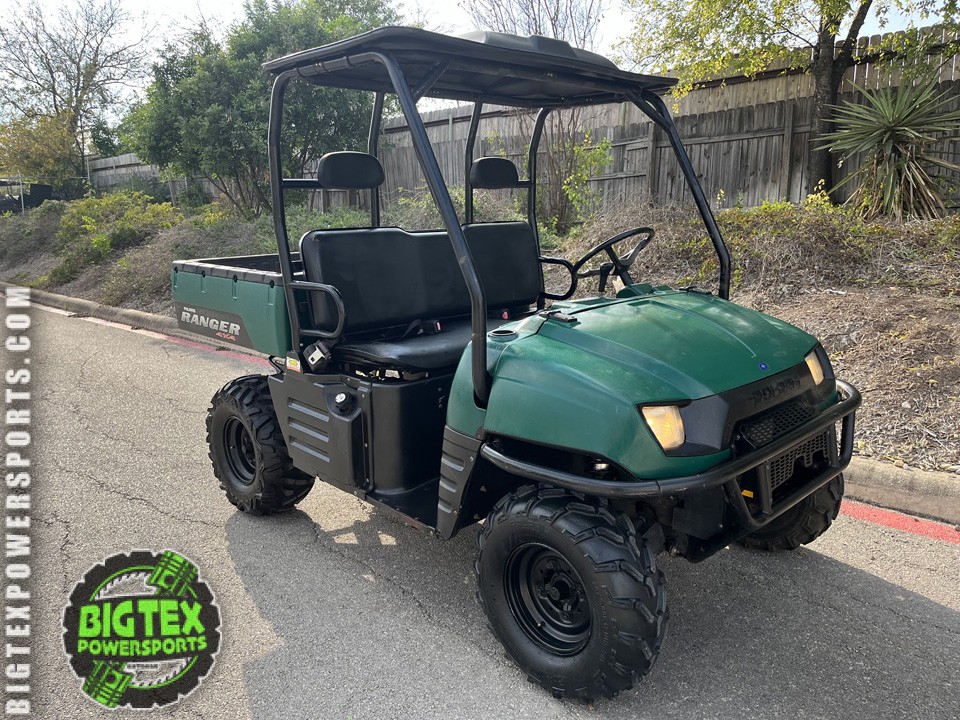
[506, 257]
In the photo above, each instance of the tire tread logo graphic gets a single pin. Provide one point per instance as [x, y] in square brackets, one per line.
[141, 630]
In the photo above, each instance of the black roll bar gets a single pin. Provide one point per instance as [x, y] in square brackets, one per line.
[535, 138]
[468, 162]
[373, 142]
[438, 189]
[431, 169]
[652, 106]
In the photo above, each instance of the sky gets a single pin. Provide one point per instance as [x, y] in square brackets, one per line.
[443, 15]
[169, 17]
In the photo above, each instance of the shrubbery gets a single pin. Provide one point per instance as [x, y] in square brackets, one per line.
[93, 228]
[778, 247]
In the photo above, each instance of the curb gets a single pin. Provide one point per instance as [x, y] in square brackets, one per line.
[929, 494]
[136, 319]
[934, 495]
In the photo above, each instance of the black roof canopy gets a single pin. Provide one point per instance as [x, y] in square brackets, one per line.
[484, 66]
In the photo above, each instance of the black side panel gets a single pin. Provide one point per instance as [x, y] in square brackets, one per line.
[460, 453]
[322, 423]
[407, 432]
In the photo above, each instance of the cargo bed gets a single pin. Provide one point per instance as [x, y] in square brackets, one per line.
[237, 300]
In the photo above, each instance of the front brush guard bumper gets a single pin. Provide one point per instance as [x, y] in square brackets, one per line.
[726, 474]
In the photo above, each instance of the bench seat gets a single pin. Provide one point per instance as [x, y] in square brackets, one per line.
[419, 353]
[390, 278]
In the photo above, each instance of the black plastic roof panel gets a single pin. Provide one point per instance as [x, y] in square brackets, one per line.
[486, 66]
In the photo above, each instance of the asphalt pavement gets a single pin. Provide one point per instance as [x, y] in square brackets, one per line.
[337, 611]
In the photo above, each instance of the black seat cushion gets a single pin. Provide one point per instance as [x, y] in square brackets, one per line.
[422, 352]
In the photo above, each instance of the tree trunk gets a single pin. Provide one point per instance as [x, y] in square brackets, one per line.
[826, 88]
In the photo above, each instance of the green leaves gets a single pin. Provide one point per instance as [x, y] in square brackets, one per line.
[893, 132]
[207, 108]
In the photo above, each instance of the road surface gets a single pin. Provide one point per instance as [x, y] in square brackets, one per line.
[336, 611]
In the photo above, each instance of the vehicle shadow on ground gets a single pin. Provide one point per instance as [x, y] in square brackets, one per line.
[751, 634]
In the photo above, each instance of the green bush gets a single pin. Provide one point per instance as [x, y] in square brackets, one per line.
[193, 195]
[153, 187]
[93, 228]
[130, 217]
[894, 131]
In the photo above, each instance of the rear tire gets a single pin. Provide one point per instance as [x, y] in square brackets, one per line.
[248, 452]
[572, 592]
[803, 523]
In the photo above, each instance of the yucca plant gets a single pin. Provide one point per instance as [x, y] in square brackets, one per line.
[894, 131]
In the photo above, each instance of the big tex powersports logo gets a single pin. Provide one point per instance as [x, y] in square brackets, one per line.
[141, 630]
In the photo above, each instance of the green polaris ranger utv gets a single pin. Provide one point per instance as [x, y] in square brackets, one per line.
[433, 375]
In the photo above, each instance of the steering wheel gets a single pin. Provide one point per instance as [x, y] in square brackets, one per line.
[619, 265]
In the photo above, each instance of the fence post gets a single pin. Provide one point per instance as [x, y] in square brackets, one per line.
[786, 152]
[653, 162]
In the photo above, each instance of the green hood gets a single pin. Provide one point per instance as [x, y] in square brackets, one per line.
[577, 385]
[693, 345]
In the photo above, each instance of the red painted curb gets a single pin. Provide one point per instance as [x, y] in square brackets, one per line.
[183, 342]
[899, 521]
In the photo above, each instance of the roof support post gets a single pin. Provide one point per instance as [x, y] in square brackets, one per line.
[468, 162]
[653, 106]
[431, 170]
[276, 197]
[373, 142]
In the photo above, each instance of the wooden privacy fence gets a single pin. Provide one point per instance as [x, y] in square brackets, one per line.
[743, 156]
[748, 139]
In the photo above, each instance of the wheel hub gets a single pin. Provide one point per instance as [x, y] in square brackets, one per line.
[547, 598]
[240, 452]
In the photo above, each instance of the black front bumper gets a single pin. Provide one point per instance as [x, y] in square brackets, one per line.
[726, 475]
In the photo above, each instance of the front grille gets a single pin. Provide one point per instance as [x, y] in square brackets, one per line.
[765, 429]
[804, 461]
[794, 467]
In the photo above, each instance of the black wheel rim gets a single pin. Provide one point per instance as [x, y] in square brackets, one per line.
[548, 599]
[241, 455]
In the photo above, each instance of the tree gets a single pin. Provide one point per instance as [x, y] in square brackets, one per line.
[572, 20]
[701, 39]
[38, 148]
[207, 108]
[69, 69]
[104, 138]
[575, 21]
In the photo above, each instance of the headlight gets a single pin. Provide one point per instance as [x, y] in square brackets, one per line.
[815, 367]
[666, 425]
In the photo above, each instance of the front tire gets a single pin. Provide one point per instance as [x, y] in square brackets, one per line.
[803, 523]
[248, 452]
[572, 592]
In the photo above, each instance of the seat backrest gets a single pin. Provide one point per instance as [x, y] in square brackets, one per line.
[389, 277]
[386, 276]
[506, 257]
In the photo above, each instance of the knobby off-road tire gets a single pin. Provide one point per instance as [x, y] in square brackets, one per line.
[248, 452]
[572, 592]
[803, 523]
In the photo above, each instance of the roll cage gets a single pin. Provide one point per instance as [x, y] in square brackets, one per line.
[533, 73]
